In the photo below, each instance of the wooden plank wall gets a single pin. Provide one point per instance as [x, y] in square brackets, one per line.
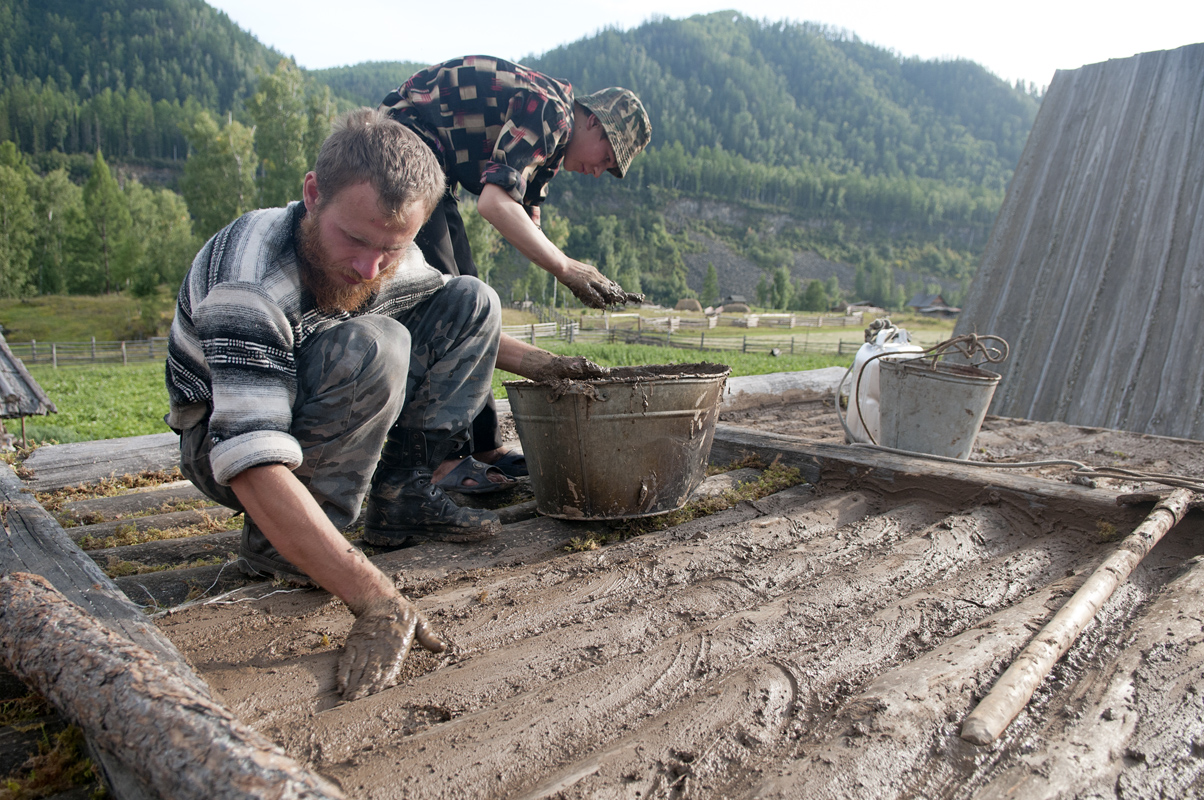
[1094, 272]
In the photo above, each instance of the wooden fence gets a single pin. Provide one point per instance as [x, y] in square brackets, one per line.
[60, 354]
[784, 345]
[664, 332]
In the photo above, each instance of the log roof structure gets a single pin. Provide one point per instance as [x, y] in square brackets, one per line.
[1094, 269]
[20, 394]
[824, 640]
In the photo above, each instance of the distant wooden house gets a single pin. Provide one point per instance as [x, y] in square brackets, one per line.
[931, 305]
[866, 309]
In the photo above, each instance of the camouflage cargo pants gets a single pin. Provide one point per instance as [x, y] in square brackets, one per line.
[350, 392]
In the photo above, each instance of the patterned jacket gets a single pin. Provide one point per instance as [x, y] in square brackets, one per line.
[241, 319]
[489, 121]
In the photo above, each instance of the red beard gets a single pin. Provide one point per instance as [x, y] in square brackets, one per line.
[322, 277]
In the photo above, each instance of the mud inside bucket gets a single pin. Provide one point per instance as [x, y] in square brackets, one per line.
[933, 408]
[633, 444]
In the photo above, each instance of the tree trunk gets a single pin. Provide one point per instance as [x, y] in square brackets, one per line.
[170, 733]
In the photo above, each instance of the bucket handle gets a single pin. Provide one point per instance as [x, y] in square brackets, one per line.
[992, 349]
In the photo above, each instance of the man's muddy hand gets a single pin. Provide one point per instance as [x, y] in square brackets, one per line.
[378, 643]
[543, 367]
[595, 289]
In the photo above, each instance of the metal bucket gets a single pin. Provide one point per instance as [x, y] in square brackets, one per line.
[631, 445]
[935, 408]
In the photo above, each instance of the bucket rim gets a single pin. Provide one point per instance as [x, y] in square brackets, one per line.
[923, 365]
[670, 373]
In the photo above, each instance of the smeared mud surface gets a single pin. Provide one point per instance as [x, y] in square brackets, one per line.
[816, 643]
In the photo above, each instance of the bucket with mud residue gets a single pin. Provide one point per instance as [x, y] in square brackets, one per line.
[933, 407]
[633, 444]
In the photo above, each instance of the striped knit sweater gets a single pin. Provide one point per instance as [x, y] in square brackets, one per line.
[241, 320]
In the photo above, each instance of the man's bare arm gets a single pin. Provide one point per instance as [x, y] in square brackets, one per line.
[296, 525]
[540, 365]
[386, 622]
[511, 220]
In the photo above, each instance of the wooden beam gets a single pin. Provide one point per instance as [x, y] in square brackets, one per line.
[83, 462]
[838, 465]
[126, 700]
[33, 543]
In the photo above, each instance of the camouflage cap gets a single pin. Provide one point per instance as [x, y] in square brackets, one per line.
[625, 121]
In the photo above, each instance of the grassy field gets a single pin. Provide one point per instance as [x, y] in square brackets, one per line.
[101, 402]
[77, 318]
[104, 402]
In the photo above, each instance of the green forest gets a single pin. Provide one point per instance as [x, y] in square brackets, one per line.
[132, 131]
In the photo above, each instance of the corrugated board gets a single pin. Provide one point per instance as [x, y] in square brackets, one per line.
[1095, 267]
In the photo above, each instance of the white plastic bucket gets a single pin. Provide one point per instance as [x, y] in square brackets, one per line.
[933, 408]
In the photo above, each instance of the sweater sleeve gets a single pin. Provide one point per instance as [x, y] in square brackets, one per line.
[248, 345]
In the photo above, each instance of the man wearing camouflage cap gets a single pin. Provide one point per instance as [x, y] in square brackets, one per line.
[503, 131]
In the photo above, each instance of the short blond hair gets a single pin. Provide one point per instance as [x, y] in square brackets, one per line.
[366, 145]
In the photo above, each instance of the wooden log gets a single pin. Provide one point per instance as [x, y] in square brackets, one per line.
[133, 501]
[163, 522]
[33, 542]
[127, 701]
[63, 465]
[167, 552]
[780, 388]
[1013, 691]
[839, 465]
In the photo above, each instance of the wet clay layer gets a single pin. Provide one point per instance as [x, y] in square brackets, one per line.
[823, 642]
[649, 372]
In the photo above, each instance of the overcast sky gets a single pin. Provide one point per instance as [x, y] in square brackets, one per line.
[1015, 39]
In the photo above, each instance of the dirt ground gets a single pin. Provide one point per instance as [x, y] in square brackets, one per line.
[826, 641]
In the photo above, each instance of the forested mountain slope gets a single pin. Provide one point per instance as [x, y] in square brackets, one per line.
[76, 74]
[786, 94]
[793, 139]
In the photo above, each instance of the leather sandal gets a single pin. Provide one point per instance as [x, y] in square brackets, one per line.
[513, 464]
[478, 472]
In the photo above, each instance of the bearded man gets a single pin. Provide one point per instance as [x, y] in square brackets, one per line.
[316, 358]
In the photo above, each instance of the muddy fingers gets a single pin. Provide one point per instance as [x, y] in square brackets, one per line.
[378, 644]
[595, 289]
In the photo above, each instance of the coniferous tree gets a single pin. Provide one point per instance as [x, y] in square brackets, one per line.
[557, 228]
[832, 290]
[764, 291]
[59, 218]
[108, 225]
[161, 242]
[16, 231]
[814, 297]
[483, 238]
[710, 287]
[783, 289]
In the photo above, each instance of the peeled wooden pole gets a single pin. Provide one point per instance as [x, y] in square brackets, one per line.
[171, 734]
[1013, 691]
